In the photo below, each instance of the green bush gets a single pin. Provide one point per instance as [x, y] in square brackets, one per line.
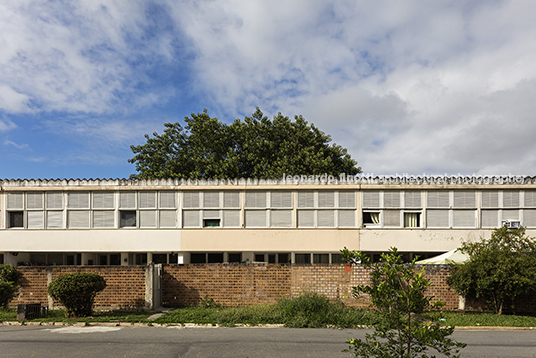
[77, 291]
[8, 273]
[7, 292]
[313, 310]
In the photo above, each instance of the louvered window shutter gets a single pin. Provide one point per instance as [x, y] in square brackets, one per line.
[511, 198]
[79, 219]
[281, 199]
[231, 199]
[190, 199]
[281, 218]
[530, 198]
[412, 199]
[147, 218]
[231, 218]
[490, 199]
[190, 218]
[168, 218]
[490, 218]
[127, 200]
[438, 199]
[529, 218]
[103, 200]
[437, 218]
[391, 199]
[167, 200]
[326, 218]
[326, 199]
[464, 199]
[510, 214]
[211, 199]
[256, 199]
[306, 199]
[55, 200]
[464, 218]
[36, 220]
[371, 199]
[15, 201]
[255, 218]
[78, 200]
[346, 199]
[347, 218]
[147, 200]
[103, 219]
[306, 218]
[34, 200]
[391, 218]
[54, 219]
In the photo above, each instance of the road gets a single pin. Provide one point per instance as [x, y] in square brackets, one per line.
[130, 342]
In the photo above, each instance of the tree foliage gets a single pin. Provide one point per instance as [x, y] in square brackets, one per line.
[499, 269]
[397, 292]
[77, 291]
[8, 278]
[254, 148]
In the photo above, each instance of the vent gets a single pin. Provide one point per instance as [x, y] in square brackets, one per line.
[512, 224]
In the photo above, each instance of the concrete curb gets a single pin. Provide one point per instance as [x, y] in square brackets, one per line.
[194, 325]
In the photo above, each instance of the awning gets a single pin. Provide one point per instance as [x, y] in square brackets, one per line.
[450, 257]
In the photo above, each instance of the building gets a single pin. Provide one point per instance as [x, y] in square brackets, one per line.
[290, 220]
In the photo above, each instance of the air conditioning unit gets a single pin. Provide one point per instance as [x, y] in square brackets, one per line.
[512, 224]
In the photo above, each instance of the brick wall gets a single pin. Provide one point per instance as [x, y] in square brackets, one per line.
[125, 285]
[227, 284]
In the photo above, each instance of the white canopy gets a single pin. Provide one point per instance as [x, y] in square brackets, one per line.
[450, 257]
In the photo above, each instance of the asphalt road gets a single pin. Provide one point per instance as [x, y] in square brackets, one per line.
[127, 342]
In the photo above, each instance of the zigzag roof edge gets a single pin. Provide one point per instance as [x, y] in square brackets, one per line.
[295, 180]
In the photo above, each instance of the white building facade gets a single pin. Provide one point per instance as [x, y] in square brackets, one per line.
[290, 220]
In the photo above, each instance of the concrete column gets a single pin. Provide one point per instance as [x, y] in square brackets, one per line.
[149, 286]
[49, 280]
[125, 259]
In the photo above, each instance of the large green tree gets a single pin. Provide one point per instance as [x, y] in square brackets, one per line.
[256, 147]
[499, 269]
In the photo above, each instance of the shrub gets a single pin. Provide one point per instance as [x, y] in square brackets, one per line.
[77, 291]
[8, 273]
[7, 292]
[312, 310]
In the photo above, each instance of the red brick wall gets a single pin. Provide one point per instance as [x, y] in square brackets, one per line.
[125, 285]
[227, 284]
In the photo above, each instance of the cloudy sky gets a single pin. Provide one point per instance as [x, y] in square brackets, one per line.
[417, 87]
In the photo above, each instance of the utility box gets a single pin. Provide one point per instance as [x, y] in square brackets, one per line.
[28, 311]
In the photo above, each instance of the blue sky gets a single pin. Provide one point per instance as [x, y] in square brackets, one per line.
[415, 87]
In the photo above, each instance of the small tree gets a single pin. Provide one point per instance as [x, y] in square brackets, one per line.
[499, 269]
[8, 278]
[77, 291]
[397, 291]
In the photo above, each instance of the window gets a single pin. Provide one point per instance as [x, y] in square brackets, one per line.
[302, 258]
[235, 257]
[16, 219]
[321, 258]
[198, 258]
[215, 258]
[211, 222]
[128, 218]
[371, 218]
[160, 258]
[412, 219]
[259, 257]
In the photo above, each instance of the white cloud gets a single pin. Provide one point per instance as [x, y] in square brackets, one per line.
[18, 146]
[407, 86]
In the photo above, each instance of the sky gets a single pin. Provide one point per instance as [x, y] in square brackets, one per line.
[408, 87]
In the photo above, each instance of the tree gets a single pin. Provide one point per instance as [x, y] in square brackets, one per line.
[8, 278]
[397, 292]
[254, 148]
[77, 291]
[499, 269]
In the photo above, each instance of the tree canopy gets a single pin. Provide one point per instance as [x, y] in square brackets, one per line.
[254, 148]
[499, 269]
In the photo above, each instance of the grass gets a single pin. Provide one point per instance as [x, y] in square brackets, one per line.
[475, 319]
[308, 310]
